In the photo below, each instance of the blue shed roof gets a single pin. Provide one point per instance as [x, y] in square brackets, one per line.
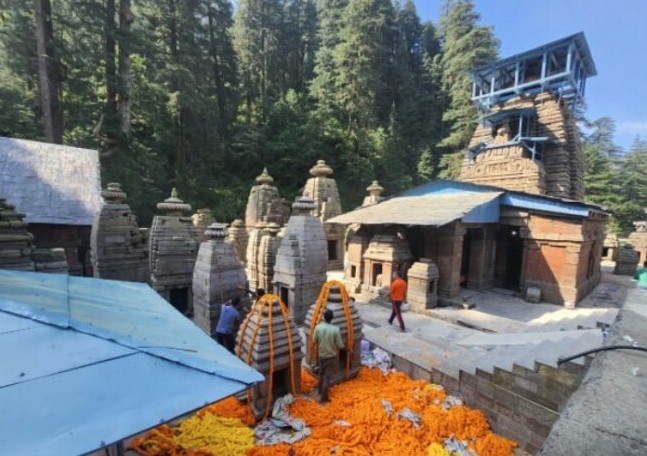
[89, 362]
[520, 200]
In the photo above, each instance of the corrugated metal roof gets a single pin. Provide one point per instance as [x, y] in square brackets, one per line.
[88, 362]
[50, 183]
[426, 210]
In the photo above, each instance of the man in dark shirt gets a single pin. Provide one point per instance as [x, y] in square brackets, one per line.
[229, 317]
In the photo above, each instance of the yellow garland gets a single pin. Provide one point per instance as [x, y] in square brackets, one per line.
[218, 435]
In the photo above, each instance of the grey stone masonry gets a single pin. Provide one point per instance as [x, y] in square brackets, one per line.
[422, 292]
[16, 243]
[340, 309]
[173, 251]
[626, 260]
[51, 260]
[270, 343]
[323, 190]
[268, 248]
[374, 194]
[119, 248]
[253, 247]
[264, 202]
[218, 276]
[202, 220]
[239, 236]
[301, 261]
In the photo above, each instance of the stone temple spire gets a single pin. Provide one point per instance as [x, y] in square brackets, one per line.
[374, 194]
[264, 202]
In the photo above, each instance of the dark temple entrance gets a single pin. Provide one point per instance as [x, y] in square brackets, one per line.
[509, 256]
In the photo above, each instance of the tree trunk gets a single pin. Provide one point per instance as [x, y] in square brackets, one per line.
[111, 70]
[49, 73]
[223, 120]
[124, 103]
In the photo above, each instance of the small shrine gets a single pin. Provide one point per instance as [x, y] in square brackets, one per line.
[301, 261]
[627, 259]
[16, 243]
[269, 341]
[334, 297]
[119, 248]
[638, 238]
[239, 236]
[264, 202]
[422, 290]
[202, 220]
[356, 244]
[385, 254]
[218, 276]
[374, 194]
[323, 190]
[173, 251]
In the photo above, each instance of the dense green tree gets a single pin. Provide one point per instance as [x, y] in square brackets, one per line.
[466, 45]
[633, 184]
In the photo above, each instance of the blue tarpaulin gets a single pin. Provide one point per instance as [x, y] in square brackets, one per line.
[89, 362]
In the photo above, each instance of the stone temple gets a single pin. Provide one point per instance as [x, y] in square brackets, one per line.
[264, 203]
[301, 261]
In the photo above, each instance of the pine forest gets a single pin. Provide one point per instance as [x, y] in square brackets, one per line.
[201, 95]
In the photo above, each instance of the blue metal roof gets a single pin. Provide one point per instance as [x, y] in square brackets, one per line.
[509, 198]
[89, 362]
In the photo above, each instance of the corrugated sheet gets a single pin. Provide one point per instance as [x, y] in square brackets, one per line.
[50, 183]
[88, 362]
[426, 210]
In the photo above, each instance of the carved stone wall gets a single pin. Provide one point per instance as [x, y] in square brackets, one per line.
[323, 190]
[119, 249]
[173, 251]
[561, 170]
[264, 203]
[218, 276]
[239, 236]
[301, 261]
[202, 220]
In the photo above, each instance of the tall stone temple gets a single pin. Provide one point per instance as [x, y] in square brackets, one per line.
[323, 190]
[264, 203]
[527, 139]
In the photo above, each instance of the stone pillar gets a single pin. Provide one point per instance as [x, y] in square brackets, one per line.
[202, 219]
[374, 194]
[264, 203]
[422, 291]
[257, 341]
[253, 249]
[173, 251]
[218, 276]
[450, 253]
[301, 261]
[343, 310]
[119, 250]
[323, 190]
[16, 243]
[238, 236]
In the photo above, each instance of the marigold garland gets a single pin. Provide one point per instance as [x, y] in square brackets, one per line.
[356, 422]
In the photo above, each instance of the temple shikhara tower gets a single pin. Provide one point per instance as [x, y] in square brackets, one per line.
[264, 203]
[323, 190]
[527, 139]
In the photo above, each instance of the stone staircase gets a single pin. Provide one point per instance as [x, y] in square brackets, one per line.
[505, 367]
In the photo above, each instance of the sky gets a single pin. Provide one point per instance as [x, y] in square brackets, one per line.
[616, 31]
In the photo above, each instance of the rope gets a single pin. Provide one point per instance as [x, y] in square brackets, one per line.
[266, 302]
[322, 300]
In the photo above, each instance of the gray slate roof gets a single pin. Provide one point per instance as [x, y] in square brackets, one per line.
[50, 183]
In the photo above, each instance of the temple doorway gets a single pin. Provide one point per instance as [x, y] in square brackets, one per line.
[509, 258]
[179, 297]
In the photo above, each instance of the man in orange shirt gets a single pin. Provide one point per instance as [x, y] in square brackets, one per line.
[398, 294]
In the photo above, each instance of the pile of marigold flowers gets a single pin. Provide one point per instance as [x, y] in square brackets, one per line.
[362, 418]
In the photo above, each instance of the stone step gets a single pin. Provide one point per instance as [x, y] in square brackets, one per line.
[520, 338]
